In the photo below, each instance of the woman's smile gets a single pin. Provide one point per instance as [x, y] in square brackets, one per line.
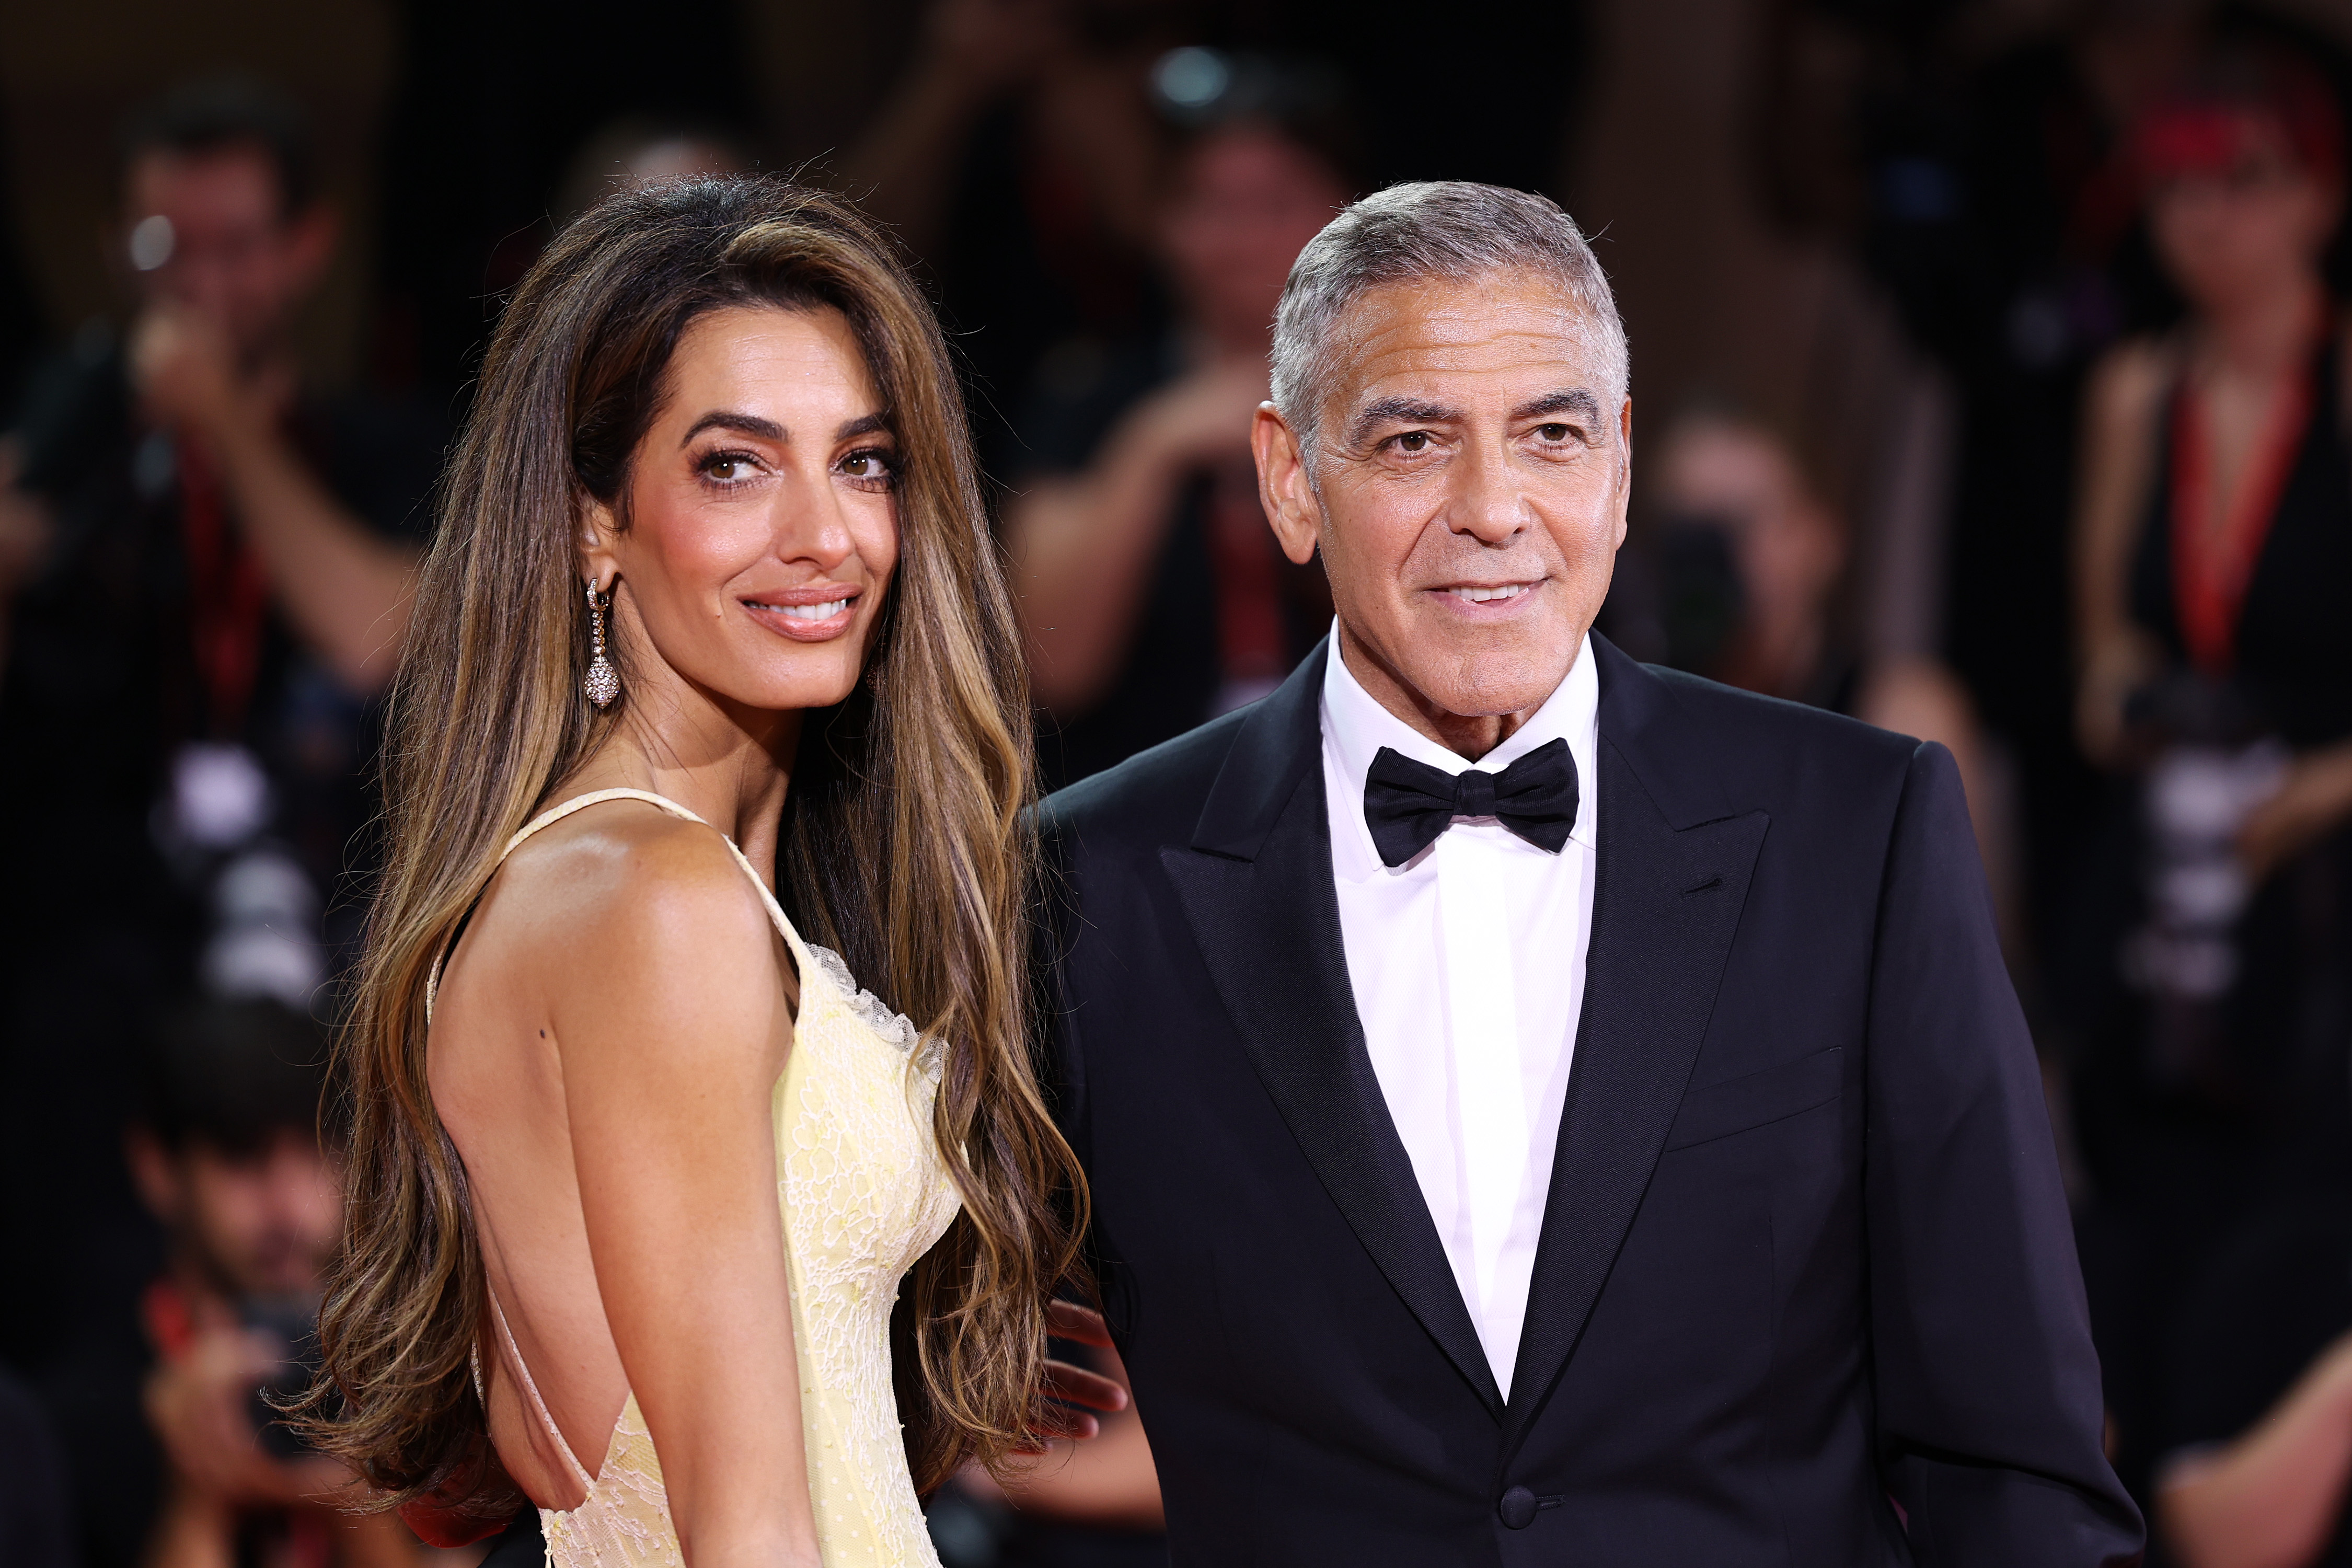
[816, 611]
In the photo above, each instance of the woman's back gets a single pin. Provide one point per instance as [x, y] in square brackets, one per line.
[861, 1189]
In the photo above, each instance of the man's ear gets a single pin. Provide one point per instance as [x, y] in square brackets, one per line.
[311, 245]
[155, 1173]
[1283, 486]
[1624, 465]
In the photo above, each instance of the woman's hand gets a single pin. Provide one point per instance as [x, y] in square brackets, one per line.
[2315, 799]
[1075, 1390]
[2270, 1498]
[2115, 666]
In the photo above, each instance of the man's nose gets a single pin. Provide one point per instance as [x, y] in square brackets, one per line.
[1488, 500]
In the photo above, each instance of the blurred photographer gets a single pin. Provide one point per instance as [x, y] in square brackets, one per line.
[227, 1154]
[204, 567]
[1747, 562]
[1153, 593]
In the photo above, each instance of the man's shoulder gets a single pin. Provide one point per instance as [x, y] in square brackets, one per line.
[1153, 797]
[1768, 752]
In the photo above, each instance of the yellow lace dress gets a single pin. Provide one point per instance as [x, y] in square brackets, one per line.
[864, 1194]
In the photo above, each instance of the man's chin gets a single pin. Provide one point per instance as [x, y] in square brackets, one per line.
[1486, 678]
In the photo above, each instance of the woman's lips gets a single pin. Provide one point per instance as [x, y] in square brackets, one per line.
[807, 614]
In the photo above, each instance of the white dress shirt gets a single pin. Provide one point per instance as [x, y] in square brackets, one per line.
[1468, 962]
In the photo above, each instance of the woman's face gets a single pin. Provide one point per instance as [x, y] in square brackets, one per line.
[2230, 233]
[763, 527]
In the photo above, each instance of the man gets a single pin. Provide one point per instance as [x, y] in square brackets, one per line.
[226, 1155]
[1542, 1108]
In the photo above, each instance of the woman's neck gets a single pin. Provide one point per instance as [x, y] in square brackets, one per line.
[2266, 332]
[731, 767]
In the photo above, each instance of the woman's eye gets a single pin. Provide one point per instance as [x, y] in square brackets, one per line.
[870, 464]
[727, 468]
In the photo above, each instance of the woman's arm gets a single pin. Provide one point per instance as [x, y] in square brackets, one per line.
[2121, 407]
[1083, 546]
[673, 1022]
[2270, 1498]
[2313, 801]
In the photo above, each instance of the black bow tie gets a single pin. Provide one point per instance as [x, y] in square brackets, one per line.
[1407, 803]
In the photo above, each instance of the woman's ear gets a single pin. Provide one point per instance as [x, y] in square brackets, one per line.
[594, 538]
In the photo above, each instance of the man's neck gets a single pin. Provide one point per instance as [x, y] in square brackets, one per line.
[1467, 735]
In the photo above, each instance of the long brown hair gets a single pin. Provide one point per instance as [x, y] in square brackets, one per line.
[905, 842]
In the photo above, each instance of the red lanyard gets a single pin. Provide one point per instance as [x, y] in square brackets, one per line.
[2213, 562]
[228, 595]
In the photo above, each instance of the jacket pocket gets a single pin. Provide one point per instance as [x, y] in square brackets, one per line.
[1759, 1098]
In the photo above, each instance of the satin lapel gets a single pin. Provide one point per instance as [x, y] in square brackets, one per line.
[1263, 907]
[1666, 903]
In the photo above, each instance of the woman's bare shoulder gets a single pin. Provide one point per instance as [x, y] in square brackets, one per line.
[623, 892]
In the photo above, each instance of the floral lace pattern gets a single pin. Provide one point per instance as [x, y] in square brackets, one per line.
[623, 1521]
[863, 1194]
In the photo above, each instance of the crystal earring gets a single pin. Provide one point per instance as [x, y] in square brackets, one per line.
[604, 682]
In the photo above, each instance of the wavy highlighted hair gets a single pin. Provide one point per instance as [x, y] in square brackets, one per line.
[905, 846]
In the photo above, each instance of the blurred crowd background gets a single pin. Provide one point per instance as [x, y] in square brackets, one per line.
[1990, 374]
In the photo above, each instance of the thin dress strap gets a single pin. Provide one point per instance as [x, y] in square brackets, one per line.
[530, 1393]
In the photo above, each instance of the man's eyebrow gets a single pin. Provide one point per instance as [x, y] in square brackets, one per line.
[742, 424]
[1399, 410]
[1574, 400]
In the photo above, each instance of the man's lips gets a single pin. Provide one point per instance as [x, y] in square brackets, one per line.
[1487, 593]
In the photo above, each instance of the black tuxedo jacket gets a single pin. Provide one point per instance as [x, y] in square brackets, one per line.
[1805, 1294]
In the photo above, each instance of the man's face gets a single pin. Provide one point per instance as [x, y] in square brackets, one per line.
[1470, 492]
[232, 254]
[262, 1223]
[1244, 204]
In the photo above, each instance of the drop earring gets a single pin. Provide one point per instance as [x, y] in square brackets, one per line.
[604, 682]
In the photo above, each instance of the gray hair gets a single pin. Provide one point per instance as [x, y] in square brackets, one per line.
[1435, 229]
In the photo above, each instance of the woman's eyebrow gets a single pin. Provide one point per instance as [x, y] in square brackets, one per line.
[741, 424]
[865, 424]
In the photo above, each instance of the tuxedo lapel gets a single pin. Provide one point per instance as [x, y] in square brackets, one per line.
[1673, 866]
[1256, 885]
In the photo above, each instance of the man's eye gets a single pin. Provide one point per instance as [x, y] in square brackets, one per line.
[1552, 432]
[1413, 441]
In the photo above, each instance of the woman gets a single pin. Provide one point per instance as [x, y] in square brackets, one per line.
[638, 1167]
[2214, 510]
[2213, 544]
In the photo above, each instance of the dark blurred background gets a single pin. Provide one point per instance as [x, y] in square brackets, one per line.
[1990, 371]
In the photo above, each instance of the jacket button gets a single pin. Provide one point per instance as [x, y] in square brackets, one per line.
[1518, 1508]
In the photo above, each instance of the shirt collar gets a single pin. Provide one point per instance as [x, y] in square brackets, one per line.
[1356, 727]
